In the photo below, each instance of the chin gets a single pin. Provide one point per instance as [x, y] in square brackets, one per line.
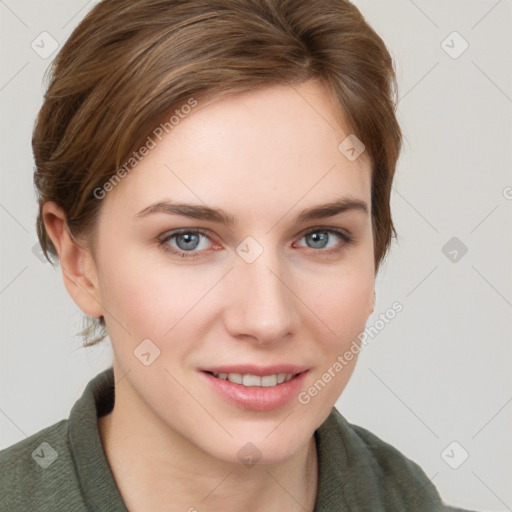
[255, 445]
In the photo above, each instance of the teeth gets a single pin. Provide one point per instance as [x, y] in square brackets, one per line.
[269, 380]
[255, 380]
[235, 377]
[251, 380]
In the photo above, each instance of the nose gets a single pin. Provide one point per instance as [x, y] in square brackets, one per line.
[261, 306]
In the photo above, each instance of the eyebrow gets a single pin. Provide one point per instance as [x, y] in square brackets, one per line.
[206, 213]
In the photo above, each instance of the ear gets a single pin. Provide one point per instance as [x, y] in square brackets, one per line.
[77, 264]
[373, 302]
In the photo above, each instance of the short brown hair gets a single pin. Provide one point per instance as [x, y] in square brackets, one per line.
[129, 62]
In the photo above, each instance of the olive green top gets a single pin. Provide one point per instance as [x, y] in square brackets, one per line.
[64, 468]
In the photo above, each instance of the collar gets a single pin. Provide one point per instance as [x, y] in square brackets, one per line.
[97, 482]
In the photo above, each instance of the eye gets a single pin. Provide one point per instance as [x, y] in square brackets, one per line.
[188, 243]
[327, 240]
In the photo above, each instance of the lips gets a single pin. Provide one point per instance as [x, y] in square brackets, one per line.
[256, 387]
[260, 371]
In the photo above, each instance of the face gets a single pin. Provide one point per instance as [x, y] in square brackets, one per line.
[271, 292]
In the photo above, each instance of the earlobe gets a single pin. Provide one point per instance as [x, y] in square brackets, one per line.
[78, 268]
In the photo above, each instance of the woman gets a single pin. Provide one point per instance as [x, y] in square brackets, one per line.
[214, 179]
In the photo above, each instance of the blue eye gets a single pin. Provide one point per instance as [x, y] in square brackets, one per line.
[187, 242]
[192, 243]
[321, 238]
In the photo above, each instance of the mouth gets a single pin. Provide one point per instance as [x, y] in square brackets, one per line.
[250, 380]
[256, 388]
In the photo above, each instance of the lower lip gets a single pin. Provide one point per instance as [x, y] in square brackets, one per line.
[257, 398]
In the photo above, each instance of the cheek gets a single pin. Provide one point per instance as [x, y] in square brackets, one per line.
[342, 307]
[344, 311]
[142, 299]
[160, 301]
[349, 305]
[342, 299]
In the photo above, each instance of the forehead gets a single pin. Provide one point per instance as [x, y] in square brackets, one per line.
[260, 151]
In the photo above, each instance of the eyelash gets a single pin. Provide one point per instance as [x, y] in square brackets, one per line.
[346, 238]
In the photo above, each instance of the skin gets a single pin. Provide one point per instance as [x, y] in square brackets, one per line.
[263, 156]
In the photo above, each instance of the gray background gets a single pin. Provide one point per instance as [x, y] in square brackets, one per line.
[441, 370]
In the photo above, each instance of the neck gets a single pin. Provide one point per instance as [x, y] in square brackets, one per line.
[163, 471]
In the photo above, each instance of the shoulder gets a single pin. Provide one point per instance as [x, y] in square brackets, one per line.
[389, 463]
[37, 473]
[375, 472]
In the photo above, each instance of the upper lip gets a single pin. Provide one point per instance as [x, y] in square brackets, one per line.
[260, 371]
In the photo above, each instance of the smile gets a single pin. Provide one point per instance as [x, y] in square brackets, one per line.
[271, 389]
[250, 380]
